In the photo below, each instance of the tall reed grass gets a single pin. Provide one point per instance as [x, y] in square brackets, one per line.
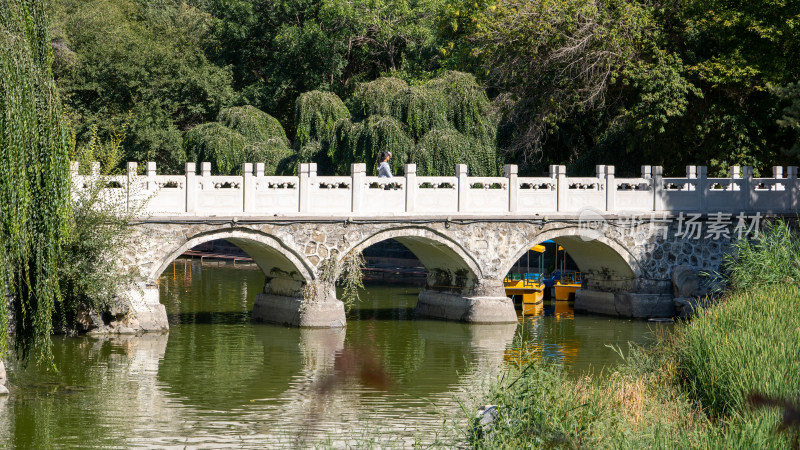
[773, 258]
[749, 342]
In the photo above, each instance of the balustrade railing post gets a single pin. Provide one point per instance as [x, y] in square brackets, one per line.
[738, 195]
[702, 186]
[611, 190]
[792, 185]
[463, 186]
[510, 172]
[150, 170]
[260, 170]
[562, 188]
[358, 173]
[304, 185]
[248, 188]
[657, 184]
[600, 174]
[647, 174]
[191, 187]
[130, 183]
[411, 187]
[777, 174]
[747, 187]
[691, 174]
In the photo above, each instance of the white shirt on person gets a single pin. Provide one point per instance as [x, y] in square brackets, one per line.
[384, 171]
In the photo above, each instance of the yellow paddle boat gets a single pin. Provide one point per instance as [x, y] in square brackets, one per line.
[530, 286]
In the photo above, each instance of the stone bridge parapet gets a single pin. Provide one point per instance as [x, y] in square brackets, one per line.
[625, 234]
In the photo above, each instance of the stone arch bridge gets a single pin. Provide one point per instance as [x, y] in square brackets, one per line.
[627, 235]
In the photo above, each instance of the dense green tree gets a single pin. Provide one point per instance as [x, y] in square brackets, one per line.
[141, 62]
[34, 180]
[281, 49]
[553, 59]
[791, 115]
[674, 83]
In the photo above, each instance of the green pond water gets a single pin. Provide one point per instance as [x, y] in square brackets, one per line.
[216, 380]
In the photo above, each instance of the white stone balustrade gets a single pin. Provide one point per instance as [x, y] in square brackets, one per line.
[254, 194]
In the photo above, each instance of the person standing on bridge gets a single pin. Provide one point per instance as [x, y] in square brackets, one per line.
[384, 171]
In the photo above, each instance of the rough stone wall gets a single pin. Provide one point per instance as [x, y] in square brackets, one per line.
[618, 257]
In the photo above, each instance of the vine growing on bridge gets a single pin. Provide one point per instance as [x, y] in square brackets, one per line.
[34, 180]
[347, 274]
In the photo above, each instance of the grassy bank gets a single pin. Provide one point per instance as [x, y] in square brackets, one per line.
[727, 379]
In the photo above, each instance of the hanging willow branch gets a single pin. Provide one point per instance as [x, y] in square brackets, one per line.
[316, 114]
[352, 279]
[34, 181]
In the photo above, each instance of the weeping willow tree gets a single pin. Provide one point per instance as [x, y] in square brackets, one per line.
[468, 108]
[316, 114]
[252, 123]
[34, 181]
[217, 144]
[382, 97]
[446, 121]
[440, 150]
[419, 108]
[364, 141]
[241, 134]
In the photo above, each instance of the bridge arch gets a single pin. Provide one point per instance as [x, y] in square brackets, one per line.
[591, 251]
[272, 255]
[435, 251]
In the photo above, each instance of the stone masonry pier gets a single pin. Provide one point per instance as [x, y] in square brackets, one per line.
[625, 234]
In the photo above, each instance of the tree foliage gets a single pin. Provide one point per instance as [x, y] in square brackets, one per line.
[441, 149]
[281, 49]
[790, 119]
[34, 180]
[137, 61]
[666, 83]
[364, 141]
[574, 82]
[390, 115]
[241, 134]
[316, 114]
[554, 58]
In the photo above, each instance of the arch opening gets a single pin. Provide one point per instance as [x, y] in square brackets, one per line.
[276, 260]
[560, 262]
[236, 295]
[597, 256]
[447, 266]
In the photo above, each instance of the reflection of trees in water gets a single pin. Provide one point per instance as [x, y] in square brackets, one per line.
[209, 291]
[225, 366]
[102, 392]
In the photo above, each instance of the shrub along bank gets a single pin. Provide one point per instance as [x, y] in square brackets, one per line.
[730, 378]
